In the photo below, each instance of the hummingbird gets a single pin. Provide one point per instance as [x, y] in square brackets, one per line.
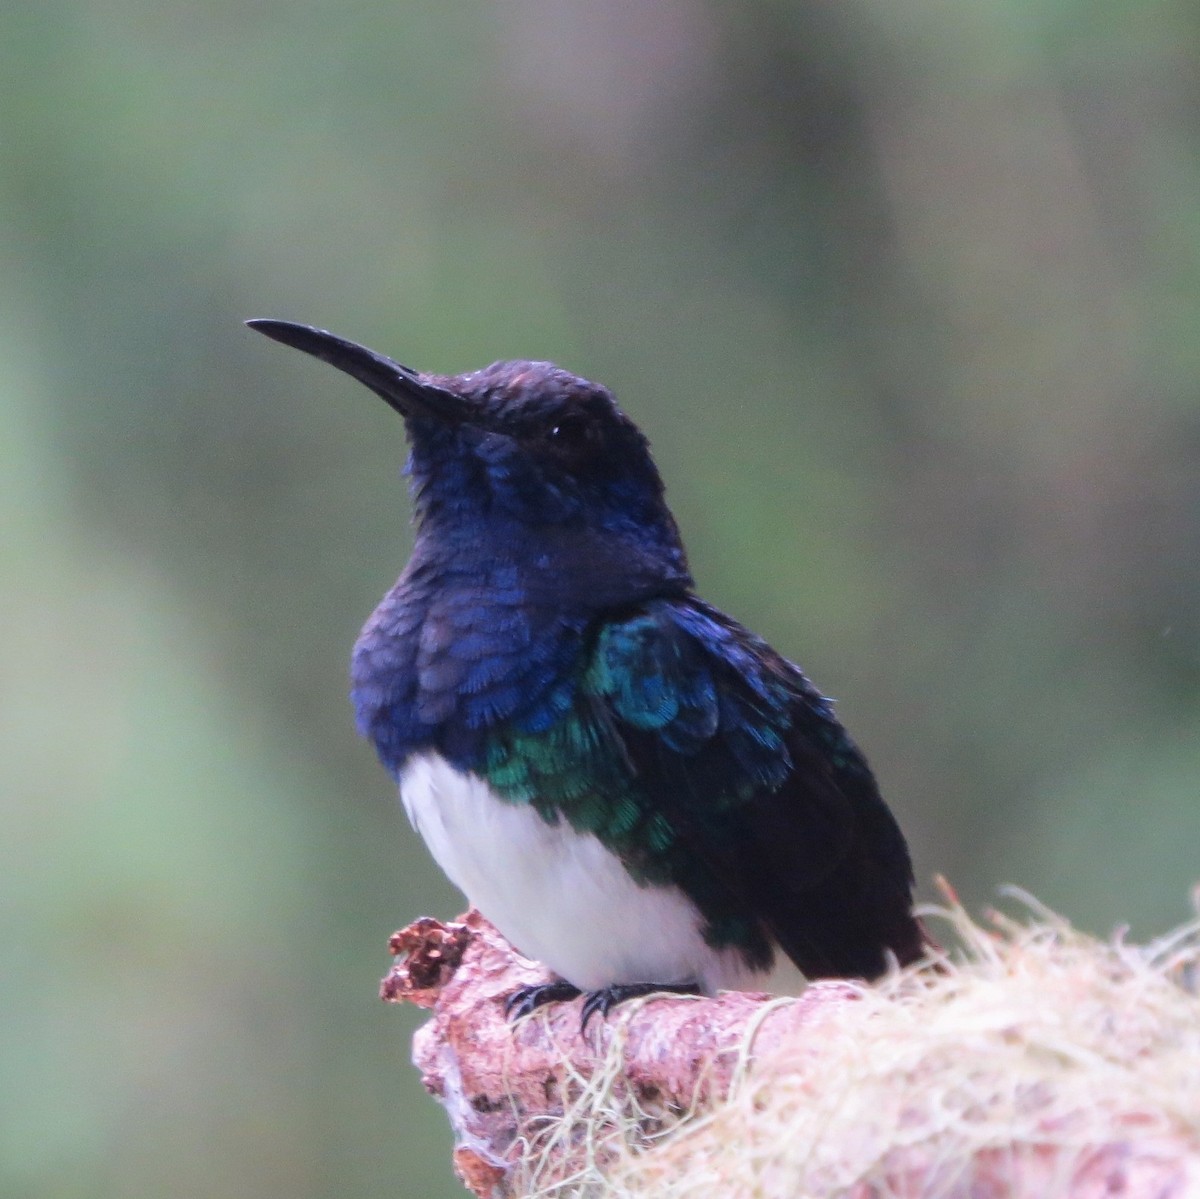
[632, 787]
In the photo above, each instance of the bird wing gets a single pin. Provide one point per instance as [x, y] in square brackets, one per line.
[770, 815]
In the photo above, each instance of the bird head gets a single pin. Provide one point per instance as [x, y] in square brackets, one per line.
[517, 449]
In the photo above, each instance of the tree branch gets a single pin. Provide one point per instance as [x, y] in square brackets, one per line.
[986, 1078]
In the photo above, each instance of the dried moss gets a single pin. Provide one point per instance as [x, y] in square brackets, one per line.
[1032, 1053]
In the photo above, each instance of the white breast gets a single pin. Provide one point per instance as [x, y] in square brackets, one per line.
[559, 895]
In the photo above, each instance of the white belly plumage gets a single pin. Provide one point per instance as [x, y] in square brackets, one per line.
[559, 895]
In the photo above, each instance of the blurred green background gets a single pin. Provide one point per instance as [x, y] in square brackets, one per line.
[906, 294]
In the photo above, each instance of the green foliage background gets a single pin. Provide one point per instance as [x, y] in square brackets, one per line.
[906, 295]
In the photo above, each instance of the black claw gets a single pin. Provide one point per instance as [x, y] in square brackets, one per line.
[528, 999]
[603, 1001]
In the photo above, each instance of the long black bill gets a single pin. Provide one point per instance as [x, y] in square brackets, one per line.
[399, 386]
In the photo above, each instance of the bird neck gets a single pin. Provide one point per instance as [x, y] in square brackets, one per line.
[571, 567]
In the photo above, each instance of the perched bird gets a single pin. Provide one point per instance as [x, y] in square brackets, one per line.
[635, 789]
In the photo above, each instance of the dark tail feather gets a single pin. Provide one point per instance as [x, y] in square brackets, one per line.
[860, 918]
[837, 939]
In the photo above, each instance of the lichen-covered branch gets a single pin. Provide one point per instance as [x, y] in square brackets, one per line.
[1041, 1064]
[497, 1080]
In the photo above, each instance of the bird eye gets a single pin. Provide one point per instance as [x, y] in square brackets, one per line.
[570, 430]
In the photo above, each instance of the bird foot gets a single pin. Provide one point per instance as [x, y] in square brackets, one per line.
[602, 1002]
[525, 1000]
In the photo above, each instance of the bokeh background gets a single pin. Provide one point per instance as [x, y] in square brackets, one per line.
[905, 292]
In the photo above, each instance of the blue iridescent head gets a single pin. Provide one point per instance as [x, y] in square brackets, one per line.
[518, 449]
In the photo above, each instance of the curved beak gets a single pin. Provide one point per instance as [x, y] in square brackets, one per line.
[402, 388]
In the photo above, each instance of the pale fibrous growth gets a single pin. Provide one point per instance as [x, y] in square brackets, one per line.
[1037, 1062]
[1029, 1061]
